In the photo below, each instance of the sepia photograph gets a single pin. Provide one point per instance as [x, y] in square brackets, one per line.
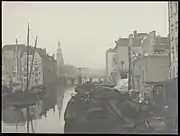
[89, 67]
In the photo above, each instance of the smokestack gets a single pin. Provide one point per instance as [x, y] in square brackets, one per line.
[135, 33]
[16, 41]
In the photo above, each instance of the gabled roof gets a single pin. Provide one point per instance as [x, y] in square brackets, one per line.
[122, 42]
[20, 47]
[42, 52]
[23, 49]
[13, 46]
[110, 50]
[50, 57]
[141, 34]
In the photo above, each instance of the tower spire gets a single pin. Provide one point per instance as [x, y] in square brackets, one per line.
[59, 45]
[60, 60]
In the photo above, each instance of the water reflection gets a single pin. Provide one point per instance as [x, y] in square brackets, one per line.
[45, 116]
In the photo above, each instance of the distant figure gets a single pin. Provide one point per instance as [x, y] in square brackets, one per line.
[54, 108]
[90, 80]
[6, 89]
[11, 85]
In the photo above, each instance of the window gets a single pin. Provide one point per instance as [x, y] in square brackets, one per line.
[123, 75]
[35, 62]
[14, 74]
[173, 50]
[36, 81]
[114, 61]
[177, 49]
[176, 41]
[25, 80]
[122, 64]
[172, 31]
[25, 74]
[25, 62]
[36, 68]
[25, 69]
[176, 26]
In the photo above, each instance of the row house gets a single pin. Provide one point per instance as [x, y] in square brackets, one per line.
[150, 69]
[111, 65]
[122, 53]
[143, 44]
[49, 70]
[11, 62]
[153, 65]
[154, 45]
[173, 31]
[60, 61]
[15, 65]
[35, 73]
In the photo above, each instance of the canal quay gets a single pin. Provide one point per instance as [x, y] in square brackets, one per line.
[48, 114]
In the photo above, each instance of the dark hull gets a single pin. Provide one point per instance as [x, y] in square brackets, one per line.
[80, 119]
[20, 99]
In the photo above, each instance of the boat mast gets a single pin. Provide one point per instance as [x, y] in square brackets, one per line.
[27, 109]
[33, 58]
[27, 59]
[130, 63]
[16, 60]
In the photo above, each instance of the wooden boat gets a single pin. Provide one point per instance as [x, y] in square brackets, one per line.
[39, 90]
[20, 99]
[42, 87]
[6, 89]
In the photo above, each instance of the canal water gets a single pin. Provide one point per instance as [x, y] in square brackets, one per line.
[47, 115]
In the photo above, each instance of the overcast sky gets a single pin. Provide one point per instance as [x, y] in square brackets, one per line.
[85, 30]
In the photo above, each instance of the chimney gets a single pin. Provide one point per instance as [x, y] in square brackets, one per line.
[135, 33]
[154, 33]
[45, 51]
[16, 41]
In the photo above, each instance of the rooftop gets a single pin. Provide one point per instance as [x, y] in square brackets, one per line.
[125, 42]
[110, 50]
[23, 48]
[142, 34]
[13, 46]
